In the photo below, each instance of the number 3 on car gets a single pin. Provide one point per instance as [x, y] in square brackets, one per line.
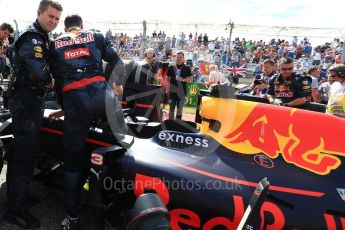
[96, 159]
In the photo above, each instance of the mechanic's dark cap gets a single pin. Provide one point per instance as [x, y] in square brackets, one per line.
[339, 69]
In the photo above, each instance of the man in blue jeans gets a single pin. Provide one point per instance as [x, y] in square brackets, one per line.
[178, 76]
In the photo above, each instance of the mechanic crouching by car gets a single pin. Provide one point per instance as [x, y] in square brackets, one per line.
[26, 96]
[76, 65]
[288, 88]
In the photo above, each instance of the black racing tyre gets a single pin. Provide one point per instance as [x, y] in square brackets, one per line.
[148, 213]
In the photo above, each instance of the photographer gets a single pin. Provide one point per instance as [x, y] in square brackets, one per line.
[5, 31]
[260, 84]
[151, 66]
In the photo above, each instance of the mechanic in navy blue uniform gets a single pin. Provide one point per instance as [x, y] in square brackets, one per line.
[288, 88]
[178, 76]
[26, 96]
[83, 91]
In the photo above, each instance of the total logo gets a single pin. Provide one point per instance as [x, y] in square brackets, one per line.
[76, 53]
[181, 138]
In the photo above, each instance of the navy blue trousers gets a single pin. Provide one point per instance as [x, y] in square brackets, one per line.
[27, 113]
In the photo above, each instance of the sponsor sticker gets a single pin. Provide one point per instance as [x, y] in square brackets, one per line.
[38, 49]
[76, 53]
[38, 55]
[36, 42]
[284, 94]
[184, 139]
[96, 159]
[341, 192]
[77, 40]
[263, 161]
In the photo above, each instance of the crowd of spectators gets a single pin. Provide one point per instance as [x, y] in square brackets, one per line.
[219, 57]
[200, 47]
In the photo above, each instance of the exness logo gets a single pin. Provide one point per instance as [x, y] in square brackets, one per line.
[183, 139]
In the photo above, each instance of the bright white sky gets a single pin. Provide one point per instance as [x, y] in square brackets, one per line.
[309, 13]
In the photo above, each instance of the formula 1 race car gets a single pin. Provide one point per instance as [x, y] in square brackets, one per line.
[283, 164]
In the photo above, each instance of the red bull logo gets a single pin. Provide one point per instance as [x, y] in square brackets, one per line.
[72, 41]
[306, 139]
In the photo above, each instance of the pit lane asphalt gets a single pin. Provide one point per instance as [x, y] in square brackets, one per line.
[49, 210]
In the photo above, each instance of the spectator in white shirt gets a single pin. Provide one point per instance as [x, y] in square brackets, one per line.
[215, 77]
